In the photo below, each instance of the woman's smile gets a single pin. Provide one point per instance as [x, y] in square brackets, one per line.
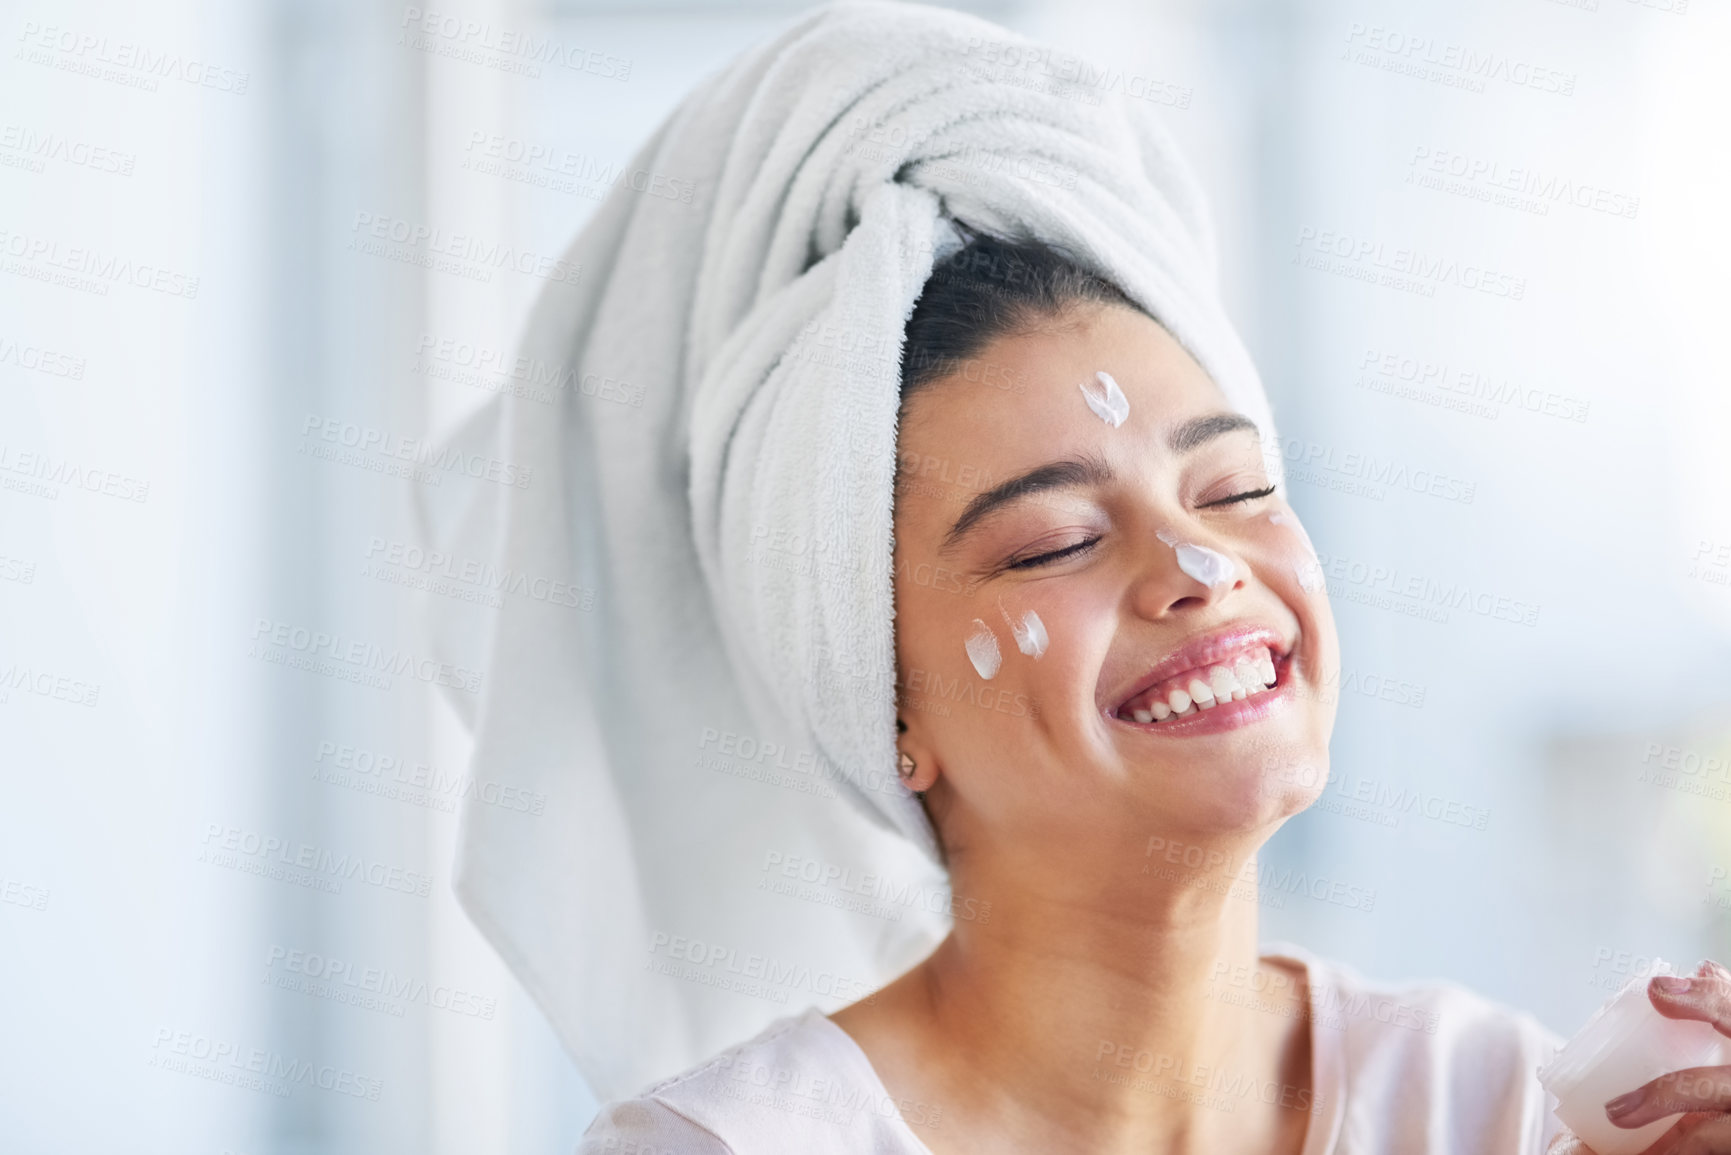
[1230, 677]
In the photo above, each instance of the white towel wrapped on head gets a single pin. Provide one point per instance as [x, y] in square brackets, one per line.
[694, 731]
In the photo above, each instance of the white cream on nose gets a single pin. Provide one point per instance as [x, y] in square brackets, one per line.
[1210, 567]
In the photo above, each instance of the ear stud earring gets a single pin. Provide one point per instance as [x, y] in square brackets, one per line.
[905, 765]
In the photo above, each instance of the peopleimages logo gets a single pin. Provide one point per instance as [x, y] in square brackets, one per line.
[1420, 595]
[419, 451]
[46, 474]
[304, 863]
[254, 1068]
[496, 370]
[1408, 269]
[1447, 63]
[357, 655]
[137, 65]
[1310, 459]
[408, 564]
[1687, 771]
[411, 242]
[47, 684]
[373, 772]
[748, 756]
[40, 360]
[715, 964]
[34, 148]
[89, 269]
[1718, 888]
[890, 894]
[1488, 179]
[549, 166]
[1068, 75]
[1171, 1073]
[1406, 799]
[1388, 371]
[504, 49]
[23, 894]
[373, 988]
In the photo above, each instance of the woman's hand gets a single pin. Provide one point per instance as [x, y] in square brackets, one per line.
[1703, 1092]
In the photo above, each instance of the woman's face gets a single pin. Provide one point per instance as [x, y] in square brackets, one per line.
[1148, 556]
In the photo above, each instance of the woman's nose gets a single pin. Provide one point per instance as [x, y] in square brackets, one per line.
[1185, 574]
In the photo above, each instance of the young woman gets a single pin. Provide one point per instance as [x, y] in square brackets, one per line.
[1154, 597]
[897, 233]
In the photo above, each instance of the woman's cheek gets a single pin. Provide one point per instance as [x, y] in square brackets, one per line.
[1295, 573]
[1064, 631]
[1027, 628]
[1298, 554]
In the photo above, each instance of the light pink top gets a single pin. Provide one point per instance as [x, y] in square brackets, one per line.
[1424, 1069]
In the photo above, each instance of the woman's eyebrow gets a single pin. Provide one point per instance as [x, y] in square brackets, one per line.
[1084, 469]
[1200, 429]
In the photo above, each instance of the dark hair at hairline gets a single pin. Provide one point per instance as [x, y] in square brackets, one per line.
[987, 289]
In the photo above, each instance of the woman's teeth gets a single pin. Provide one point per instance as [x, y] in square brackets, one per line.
[1191, 693]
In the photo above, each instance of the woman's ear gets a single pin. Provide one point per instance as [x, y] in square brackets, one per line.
[916, 764]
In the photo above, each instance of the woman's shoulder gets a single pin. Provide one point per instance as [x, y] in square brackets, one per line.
[800, 1085]
[1429, 1017]
[1433, 1057]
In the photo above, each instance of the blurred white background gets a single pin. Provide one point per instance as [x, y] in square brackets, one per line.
[1518, 483]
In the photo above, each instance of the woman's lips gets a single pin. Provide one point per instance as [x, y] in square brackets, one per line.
[1198, 657]
[1224, 714]
[1234, 677]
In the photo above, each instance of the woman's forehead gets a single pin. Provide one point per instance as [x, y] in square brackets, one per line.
[1118, 377]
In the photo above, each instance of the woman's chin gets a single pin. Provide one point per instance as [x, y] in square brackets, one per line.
[1284, 746]
[1240, 796]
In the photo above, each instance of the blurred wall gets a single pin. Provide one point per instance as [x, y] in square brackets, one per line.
[1477, 250]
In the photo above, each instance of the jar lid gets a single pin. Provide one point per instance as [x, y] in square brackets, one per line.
[1609, 1027]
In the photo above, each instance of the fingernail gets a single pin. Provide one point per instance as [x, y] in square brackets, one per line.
[1673, 984]
[1623, 1104]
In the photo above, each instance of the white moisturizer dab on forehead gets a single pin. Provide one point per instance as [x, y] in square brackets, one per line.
[982, 647]
[1108, 401]
[1030, 632]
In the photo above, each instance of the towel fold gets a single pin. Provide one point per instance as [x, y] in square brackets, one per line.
[710, 488]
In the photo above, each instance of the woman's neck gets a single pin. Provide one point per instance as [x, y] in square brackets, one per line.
[1085, 1014]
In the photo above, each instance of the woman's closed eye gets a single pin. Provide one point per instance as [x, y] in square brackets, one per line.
[1081, 547]
[1250, 495]
[1040, 559]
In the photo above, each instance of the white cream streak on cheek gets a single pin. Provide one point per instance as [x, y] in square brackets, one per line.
[1030, 632]
[1282, 519]
[1108, 402]
[983, 650]
[1309, 572]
